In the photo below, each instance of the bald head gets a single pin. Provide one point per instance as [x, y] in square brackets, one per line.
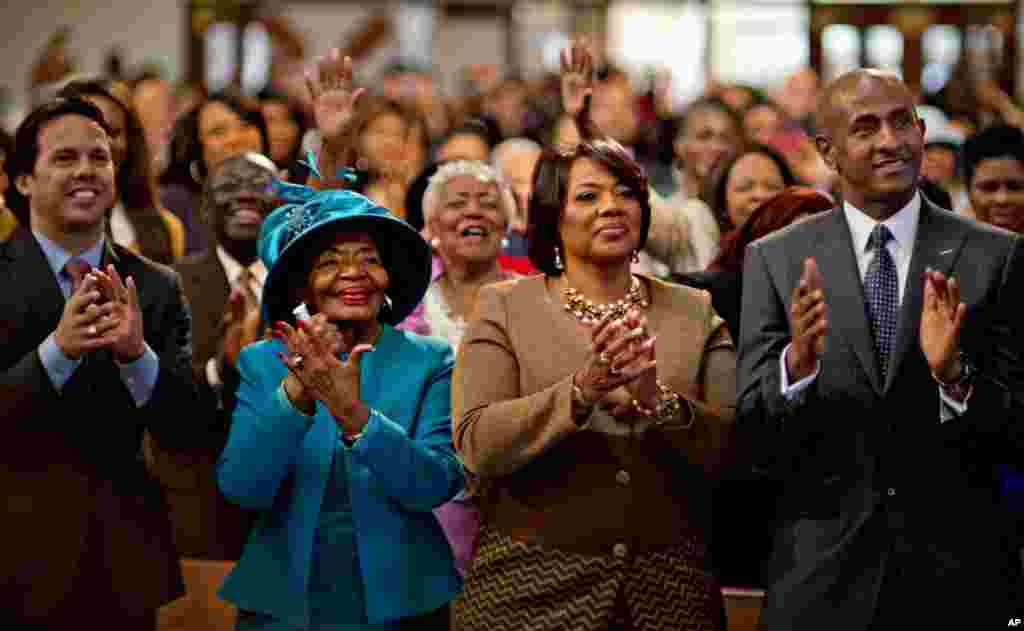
[836, 98]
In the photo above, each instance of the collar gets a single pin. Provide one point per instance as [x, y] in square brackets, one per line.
[902, 224]
[232, 268]
[58, 257]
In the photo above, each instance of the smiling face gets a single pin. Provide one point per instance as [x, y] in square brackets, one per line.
[114, 114]
[240, 198]
[997, 193]
[347, 280]
[752, 180]
[469, 222]
[874, 141]
[602, 218]
[71, 186]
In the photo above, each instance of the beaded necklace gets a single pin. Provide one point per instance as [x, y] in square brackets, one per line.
[583, 309]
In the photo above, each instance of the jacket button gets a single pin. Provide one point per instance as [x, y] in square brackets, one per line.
[620, 550]
[623, 477]
[891, 492]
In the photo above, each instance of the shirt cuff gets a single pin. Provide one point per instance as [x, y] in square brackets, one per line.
[212, 374]
[950, 407]
[58, 367]
[792, 391]
[140, 376]
[285, 406]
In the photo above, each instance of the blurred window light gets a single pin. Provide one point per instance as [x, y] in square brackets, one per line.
[941, 44]
[759, 43]
[221, 54]
[841, 49]
[256, 57]
[884, 48]
[655, 36]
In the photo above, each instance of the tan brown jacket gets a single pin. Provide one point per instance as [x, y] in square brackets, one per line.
[550, 481]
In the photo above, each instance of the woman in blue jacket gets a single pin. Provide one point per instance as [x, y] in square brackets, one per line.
[341, 437]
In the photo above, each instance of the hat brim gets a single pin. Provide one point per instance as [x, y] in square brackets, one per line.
[405, 253]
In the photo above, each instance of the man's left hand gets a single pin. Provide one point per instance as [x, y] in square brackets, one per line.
[942, 316]
[127, 341]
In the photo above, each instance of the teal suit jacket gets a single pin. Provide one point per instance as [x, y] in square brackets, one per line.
[278, 461]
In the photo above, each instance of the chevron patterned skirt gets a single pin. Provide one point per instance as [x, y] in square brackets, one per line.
[514, 585]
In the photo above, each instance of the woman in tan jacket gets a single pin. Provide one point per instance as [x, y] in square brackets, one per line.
[595, 406]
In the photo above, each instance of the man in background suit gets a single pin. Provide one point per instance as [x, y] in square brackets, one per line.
[880, 374]
[222, 286]
[88, 362]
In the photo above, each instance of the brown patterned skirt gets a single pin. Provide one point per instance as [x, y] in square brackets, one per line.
[513, 585]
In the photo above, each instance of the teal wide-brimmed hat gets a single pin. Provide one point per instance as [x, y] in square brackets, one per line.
[292, 231]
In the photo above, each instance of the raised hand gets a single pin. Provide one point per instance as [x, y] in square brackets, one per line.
[334, 97]
[942, 316]
[125, 336]
[85, 324]
[577, 76]
[808, 323]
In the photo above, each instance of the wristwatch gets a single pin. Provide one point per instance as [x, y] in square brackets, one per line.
[961, 387]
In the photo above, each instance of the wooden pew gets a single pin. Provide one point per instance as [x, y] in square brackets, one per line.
[199, 609]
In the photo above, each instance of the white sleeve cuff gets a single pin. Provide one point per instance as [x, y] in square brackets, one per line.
[791, 391]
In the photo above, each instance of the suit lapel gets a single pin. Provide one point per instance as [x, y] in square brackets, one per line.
[937, 245]
[844, 293]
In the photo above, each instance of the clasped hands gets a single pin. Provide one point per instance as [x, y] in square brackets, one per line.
[620, 367]
[942, 316]
[102, 313]
[317, 373]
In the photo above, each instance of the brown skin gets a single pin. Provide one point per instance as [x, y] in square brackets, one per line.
[997, 193]
[223, 133]
[346, 291]
[872, 138]
[709, 134]
[752, 180]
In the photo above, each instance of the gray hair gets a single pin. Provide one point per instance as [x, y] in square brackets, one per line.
[508, 148]
[457, 168]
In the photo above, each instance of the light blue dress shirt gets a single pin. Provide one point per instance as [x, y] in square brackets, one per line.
[139, 376]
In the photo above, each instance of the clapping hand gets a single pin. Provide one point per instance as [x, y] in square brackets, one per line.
[86, 324]
[808, 323]
[125, 334]
[942, 316]
[316, 373]
[621, 354]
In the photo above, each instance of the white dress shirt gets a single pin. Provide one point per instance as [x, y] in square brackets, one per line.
[903, 226]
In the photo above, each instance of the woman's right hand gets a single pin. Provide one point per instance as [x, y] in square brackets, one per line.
[577, 77]
[334, 97]
[610, 339]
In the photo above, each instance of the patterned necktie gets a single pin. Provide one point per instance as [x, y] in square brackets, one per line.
[76, 269]
[882, 296]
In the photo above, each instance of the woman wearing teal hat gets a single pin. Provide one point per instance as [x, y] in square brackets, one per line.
[341, 438]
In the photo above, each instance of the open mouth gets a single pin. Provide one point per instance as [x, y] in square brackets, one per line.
[84, 194]
[895, 164]
[478, 232]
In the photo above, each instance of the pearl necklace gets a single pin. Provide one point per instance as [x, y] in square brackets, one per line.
[583, 309]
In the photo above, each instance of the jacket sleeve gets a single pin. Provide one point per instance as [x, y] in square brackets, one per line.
[708, 441]
[496, 429]
[173, 409]
[265, 438]
[992, 422]
[766, 420]
[419, 471]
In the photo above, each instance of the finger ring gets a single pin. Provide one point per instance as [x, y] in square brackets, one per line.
[613, 371]
[93, 331]
[603, 358]
[297, 361]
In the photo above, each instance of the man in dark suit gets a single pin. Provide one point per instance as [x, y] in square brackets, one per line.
[88, 362]
[222, 285]
[880, 376]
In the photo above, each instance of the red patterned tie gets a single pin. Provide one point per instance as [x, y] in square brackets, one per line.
[76, 269]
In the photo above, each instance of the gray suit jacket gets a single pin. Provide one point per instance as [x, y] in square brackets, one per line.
[882, 502]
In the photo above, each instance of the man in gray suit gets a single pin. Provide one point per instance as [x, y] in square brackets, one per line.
[880, 377]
